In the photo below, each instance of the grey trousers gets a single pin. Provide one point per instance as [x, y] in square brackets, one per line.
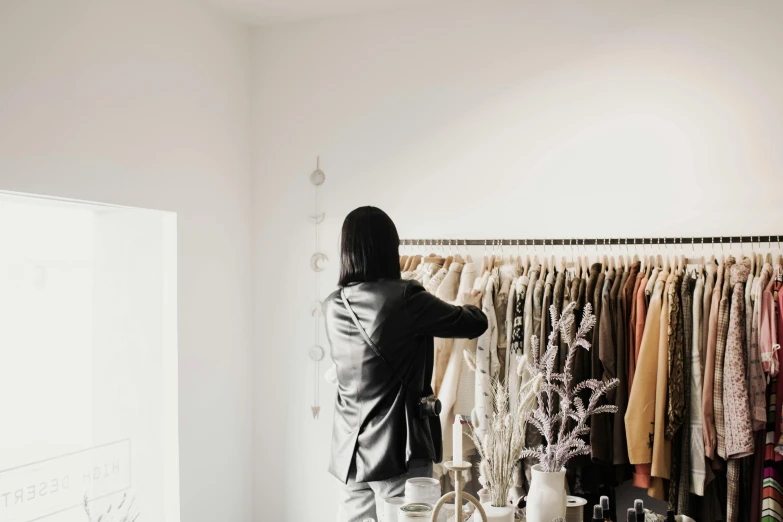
[360, 500]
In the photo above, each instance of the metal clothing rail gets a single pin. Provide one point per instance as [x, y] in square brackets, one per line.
[724, 240]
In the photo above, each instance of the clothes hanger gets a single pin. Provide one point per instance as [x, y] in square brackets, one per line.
[536, 261]
[701, 259]
[627, 261]
[408, 262]
[636, 254]
[457, 257]
[611, 255]
[640, 257]
[413, 262]
[759, 259]
[681, 266]
[496, 259]
[585, 262]
[665, 256]
[485, 260]
[403, 258]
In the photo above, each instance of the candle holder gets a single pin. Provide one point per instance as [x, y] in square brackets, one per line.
[458, 495]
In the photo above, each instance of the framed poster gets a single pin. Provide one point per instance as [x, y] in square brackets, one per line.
[88, 362]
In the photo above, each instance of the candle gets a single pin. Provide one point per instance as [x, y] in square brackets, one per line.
[457, 441]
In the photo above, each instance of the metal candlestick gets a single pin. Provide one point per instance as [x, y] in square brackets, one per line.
[458, 495]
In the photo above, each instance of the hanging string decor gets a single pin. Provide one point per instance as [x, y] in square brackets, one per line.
[317, 261]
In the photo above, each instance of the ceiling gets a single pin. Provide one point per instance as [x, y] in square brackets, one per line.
[266, 12]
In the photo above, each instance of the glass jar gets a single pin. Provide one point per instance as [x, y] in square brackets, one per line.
[415, 512]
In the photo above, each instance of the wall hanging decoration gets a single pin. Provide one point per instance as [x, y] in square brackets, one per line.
[317, 261]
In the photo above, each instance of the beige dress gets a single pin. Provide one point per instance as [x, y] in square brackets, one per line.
[662, 447]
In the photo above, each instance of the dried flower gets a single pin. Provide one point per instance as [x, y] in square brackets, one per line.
[501, 447]
[558, 398]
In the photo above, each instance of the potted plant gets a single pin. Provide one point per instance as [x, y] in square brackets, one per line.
[501, 443]
[561, 415]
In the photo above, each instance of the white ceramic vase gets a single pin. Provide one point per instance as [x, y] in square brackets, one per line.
[546, 499]
[497, 514]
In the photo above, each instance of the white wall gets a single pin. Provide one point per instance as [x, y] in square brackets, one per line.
[146, 103]
[504, 119]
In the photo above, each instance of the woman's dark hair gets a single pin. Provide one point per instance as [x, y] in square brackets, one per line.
[369, 247]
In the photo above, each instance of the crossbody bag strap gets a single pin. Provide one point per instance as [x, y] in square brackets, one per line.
[367, 337]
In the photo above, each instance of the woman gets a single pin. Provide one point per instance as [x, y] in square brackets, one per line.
[381, 331]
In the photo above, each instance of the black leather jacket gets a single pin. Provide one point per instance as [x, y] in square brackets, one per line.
[376, 418]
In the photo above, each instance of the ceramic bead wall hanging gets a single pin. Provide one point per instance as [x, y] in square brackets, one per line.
[317, 261]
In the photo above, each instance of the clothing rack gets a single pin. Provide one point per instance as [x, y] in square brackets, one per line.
[711, 240]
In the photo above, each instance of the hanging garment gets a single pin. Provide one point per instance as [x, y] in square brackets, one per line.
[651, 284]
[528, 328]
[429, 271]
[695, 410]
[767, 327]
[506, 365]
[446, 290]
[582, 357]
[533, 436]
[710, 271]
[708, 384]
[757, 382]
[514, 354]
[767, 476]
[683, 459]
[575, 294]
[732, 496]
[558, 294]
[738, 428]
[779, 315]
[546, 316]
[622, 357]
[538, 310]
[517, 340]
[435, 281]
[661, 455]
[484, 346]
[601, 431]
[486, 357]
[639, 319]
[676, 376]
[749, 284]
[507, 274]
[720, 352]
[466, 385]
[455, 288]
[581, 483]
[640, 416]
[629, 309]
[772, 472]
[568, 297]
